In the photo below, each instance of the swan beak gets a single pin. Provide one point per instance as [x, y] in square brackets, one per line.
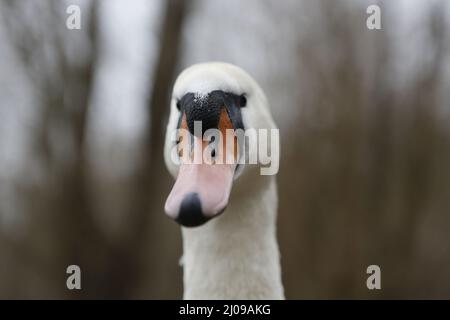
[201, 190]
[200, 193]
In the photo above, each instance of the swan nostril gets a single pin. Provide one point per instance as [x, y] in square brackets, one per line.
[191, 214]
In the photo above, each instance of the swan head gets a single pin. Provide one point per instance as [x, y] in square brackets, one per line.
[209, 101]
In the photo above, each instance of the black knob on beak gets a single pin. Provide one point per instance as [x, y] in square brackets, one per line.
[191, 214]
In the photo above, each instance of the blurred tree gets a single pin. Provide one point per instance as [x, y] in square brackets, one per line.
[62, 228]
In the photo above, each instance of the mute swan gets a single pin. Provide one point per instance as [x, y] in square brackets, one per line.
[235, 255]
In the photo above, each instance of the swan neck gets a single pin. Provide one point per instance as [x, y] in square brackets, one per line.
[236, 256]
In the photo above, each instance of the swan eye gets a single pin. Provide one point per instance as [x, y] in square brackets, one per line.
[178, 105]
[242, 101]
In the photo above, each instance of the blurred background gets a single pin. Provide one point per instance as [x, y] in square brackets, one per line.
[365, 131]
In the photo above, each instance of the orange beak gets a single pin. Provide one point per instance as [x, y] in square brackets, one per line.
[201, 191]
